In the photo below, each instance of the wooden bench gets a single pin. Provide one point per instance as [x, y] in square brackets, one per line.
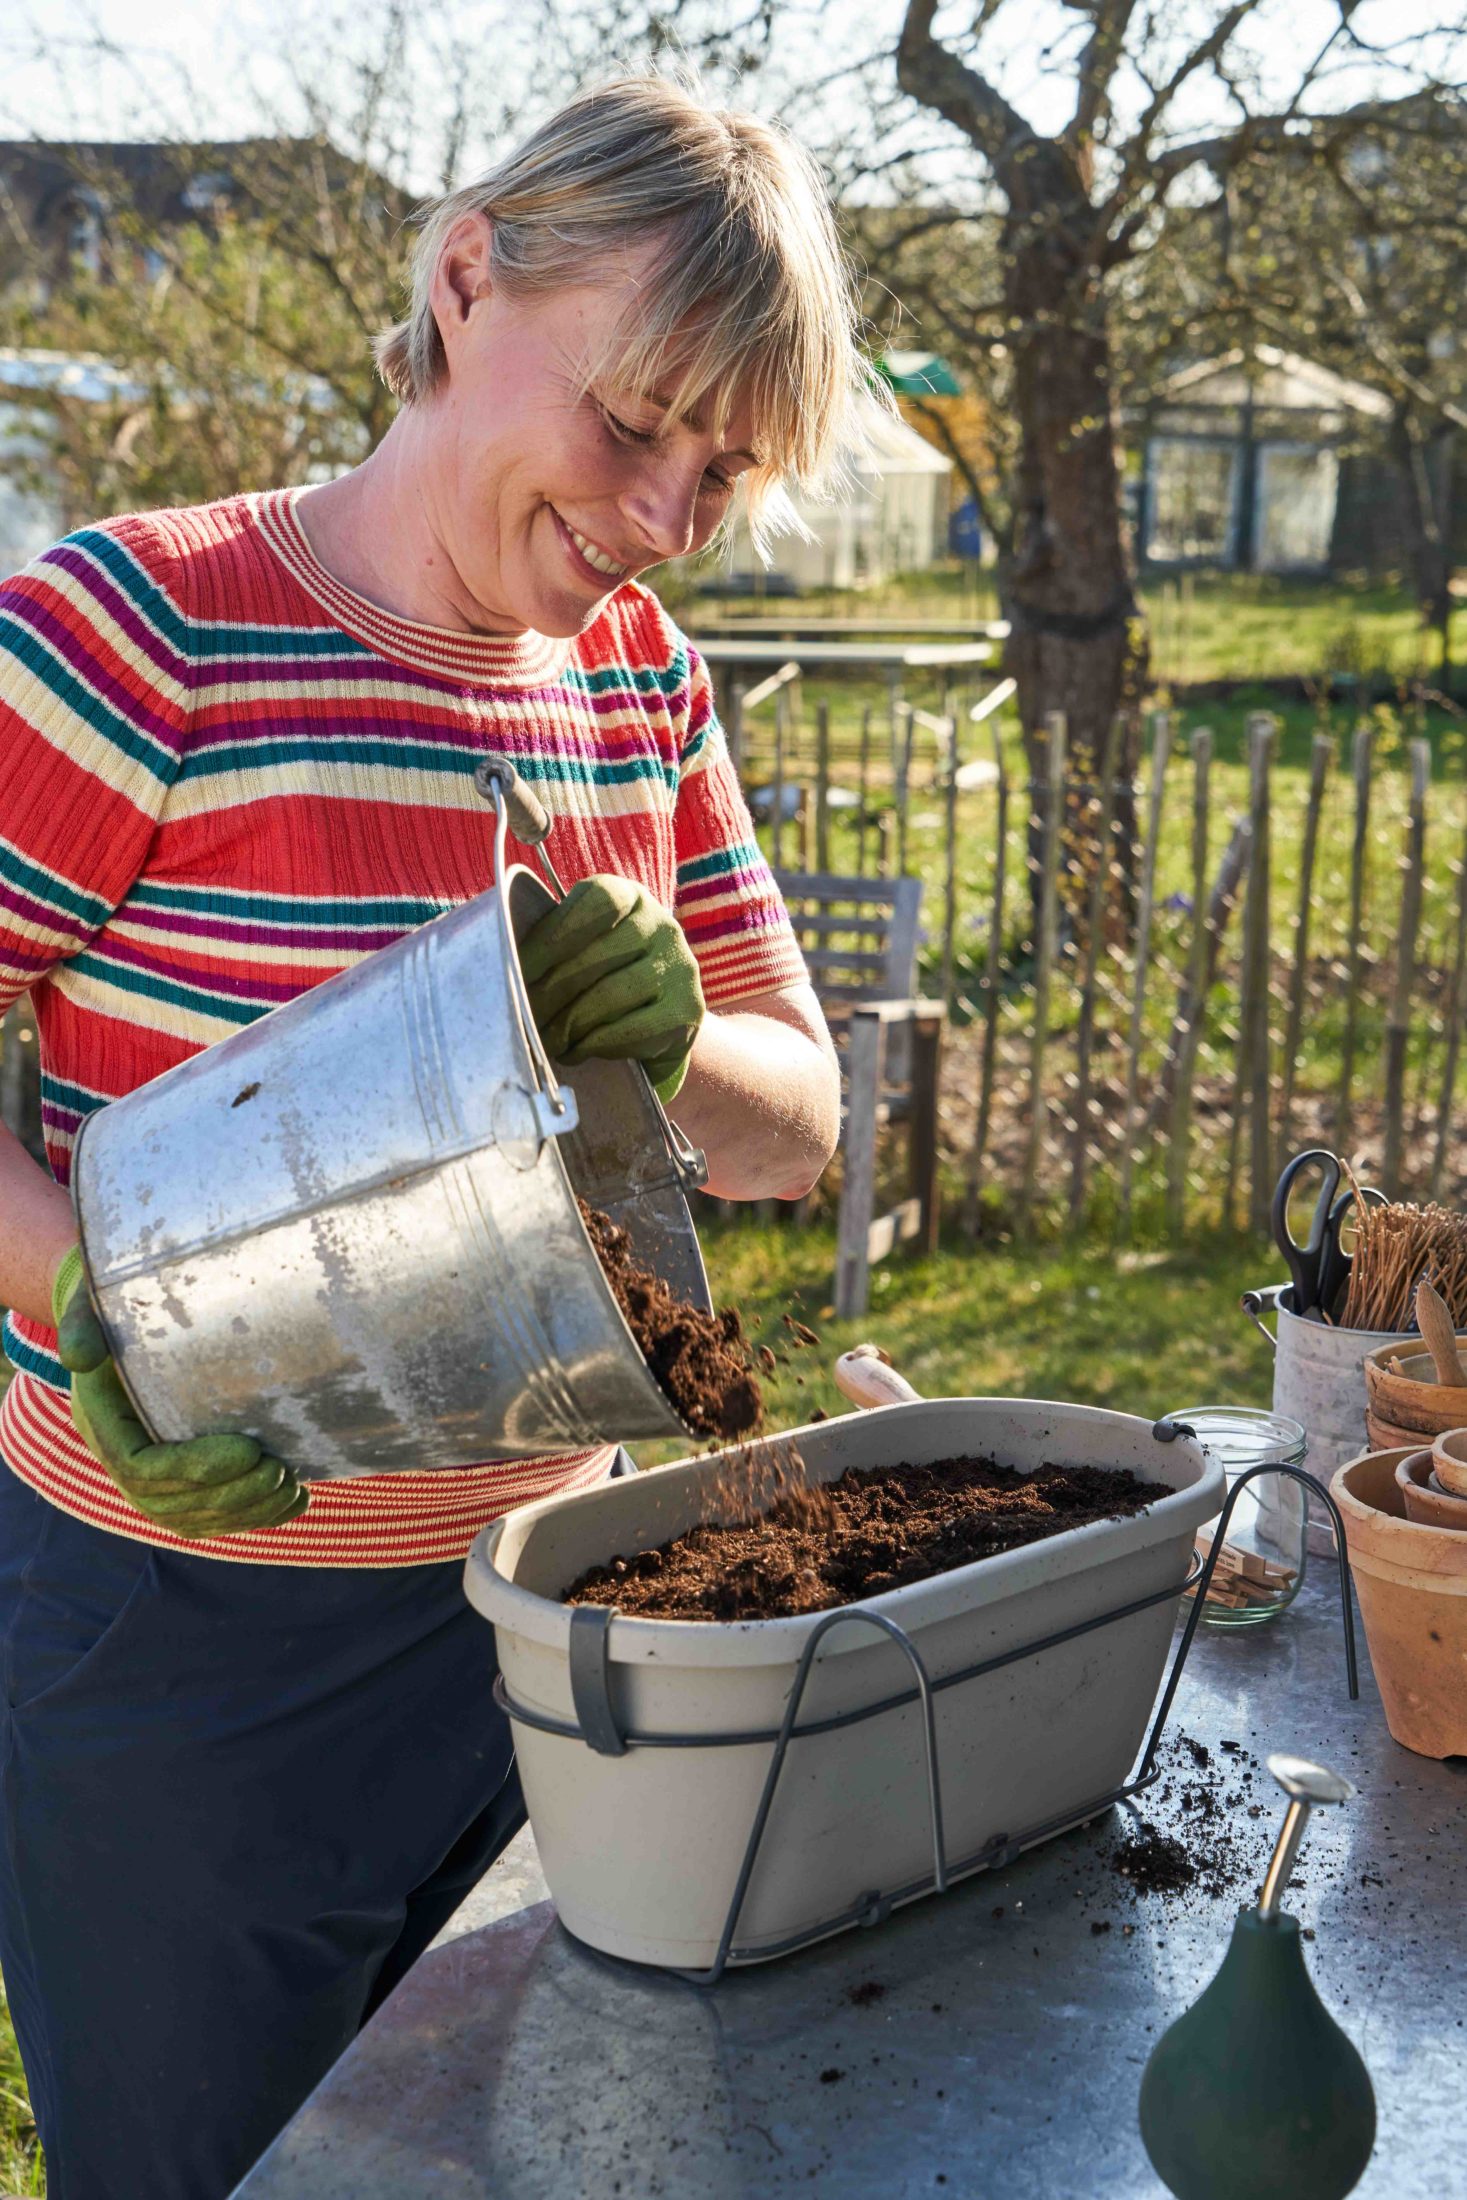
[859, 937]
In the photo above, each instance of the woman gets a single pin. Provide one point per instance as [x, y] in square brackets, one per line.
[252, 1763]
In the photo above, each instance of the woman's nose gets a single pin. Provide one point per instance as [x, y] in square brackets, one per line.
[664, 513]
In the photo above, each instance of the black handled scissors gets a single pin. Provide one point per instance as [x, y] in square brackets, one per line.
[1320, 1267]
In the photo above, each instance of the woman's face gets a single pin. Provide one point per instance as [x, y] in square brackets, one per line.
[545, 500]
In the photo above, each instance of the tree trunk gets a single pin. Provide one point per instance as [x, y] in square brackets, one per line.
[1424, 459]
[1078, 641]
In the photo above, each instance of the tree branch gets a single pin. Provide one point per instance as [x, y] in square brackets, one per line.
[936, 78]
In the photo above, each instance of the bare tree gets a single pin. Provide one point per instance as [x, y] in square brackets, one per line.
[1071, 213]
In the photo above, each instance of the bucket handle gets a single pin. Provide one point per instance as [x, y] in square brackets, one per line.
[1256, 1304]
[496, 779]
[516, 803]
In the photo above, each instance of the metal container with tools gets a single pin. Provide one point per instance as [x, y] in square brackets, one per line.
[352, 1230]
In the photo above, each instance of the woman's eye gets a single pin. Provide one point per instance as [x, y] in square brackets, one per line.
[625, 431]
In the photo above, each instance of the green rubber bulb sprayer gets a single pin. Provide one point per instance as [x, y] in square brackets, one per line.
[1255, 2093]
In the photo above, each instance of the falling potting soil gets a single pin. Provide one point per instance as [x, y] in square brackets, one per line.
[872, 1530]
[702, 1362]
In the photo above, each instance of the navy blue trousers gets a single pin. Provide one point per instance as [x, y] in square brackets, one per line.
[236, 1803]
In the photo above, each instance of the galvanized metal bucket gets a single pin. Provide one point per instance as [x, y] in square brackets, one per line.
[1319, 1381]
[351, 1229]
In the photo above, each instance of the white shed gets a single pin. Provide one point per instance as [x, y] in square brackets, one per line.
[894, 521]
[30, 520]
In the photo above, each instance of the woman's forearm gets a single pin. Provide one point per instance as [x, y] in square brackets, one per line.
[36, 1228]
[762, 1098]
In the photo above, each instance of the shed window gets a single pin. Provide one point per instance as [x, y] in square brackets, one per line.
[1295, 510]
[1192, 485]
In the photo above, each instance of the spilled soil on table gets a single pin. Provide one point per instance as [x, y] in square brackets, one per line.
[819, 1545]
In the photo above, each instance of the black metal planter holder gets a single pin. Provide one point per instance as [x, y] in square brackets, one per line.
[595, 1724]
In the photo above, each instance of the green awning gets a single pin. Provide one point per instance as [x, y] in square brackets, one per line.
[920, 374]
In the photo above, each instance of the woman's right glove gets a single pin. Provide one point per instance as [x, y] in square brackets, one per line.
[206, 1486]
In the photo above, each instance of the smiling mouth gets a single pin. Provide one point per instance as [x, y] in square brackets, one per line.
[595, 557]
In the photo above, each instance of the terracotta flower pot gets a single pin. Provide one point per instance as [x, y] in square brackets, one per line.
[1382, 1435]
[1449, 1461]
[1426, 1502]
[1402, 1392]
[1411, 1580]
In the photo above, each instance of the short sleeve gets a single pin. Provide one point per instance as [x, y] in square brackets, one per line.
[727, 901]
[93, 707]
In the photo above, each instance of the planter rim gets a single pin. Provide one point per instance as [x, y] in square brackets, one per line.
[991, 1580]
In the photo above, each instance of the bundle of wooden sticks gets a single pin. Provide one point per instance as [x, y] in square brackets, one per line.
[1395, 1247]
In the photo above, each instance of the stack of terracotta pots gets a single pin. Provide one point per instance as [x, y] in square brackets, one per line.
[1404, 1402]
[1406, 1530]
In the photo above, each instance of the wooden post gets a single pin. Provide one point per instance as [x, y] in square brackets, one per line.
[950, 867]
[1398, 1020]
[1094, 933]
[865, 789]
[1363, 748]
[1160, 750]
[991, 963]
[12, 1068]
[903, 784]
[776, 828]
[1191, 1008]
[1054, 798]
[865, 1050]
[926, 1083]
[736, 727]
[1320, 759]
[1188, 1036]
[822, 785]
[1456, 1010]
[1260, 1122]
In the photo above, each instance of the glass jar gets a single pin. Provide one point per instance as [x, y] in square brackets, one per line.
[1261, 1565]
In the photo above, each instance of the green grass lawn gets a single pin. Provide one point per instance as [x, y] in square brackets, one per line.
[1144, 1330]
[1208, 626]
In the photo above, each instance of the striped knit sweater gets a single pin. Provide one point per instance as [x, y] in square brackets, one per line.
[223, 778]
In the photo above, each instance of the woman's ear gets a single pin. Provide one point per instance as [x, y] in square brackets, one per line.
[462, 278]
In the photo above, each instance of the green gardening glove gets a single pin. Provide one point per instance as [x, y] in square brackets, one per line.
[611, 975]
[209, 1485]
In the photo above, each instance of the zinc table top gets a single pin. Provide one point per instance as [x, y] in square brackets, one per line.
[987, 2041]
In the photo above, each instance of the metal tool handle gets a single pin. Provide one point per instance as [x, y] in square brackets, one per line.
[497, 781]
[1256, 1304]
[866, 1376]
[689, 1161]
[515, 804]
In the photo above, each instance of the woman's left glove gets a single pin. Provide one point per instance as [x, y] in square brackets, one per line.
[610, 974]
[209, 1485]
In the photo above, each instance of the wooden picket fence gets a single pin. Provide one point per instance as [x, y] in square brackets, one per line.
[1254, 965]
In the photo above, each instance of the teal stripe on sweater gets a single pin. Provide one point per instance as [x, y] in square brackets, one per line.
[196, 998]
[27, 647]
[32, 1360]
[199, 640]
[742, 856]
[87, 910]
[371, 912]
[76, 1099]
[442, 759]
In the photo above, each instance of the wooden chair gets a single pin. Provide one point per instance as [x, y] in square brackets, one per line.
[859, 936]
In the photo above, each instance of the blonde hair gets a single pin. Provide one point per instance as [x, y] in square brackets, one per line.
[748, 292]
